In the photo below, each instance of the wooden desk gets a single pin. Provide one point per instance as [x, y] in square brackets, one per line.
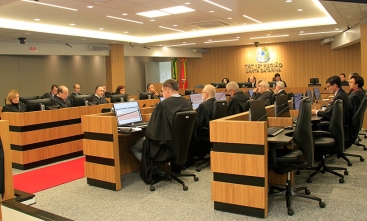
[239, 161]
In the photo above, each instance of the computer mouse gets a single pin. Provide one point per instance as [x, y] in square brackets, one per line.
[288, 128]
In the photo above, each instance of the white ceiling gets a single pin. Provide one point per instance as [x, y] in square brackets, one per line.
[17, 20]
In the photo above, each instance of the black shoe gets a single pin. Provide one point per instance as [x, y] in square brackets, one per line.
[159, 172]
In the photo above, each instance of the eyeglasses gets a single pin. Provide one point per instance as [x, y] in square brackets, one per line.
[351, 82]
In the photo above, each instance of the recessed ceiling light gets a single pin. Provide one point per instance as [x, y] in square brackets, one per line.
[288, 1]
[184, 42]
[175, 25]
[316, 33]
[193, 29]
[124, 14]
[126, 32]
[209, 39]
[187, 3]
[267, 34]
[274, 36]
[171, 29]
[90, 6]
[252, 19]
[153, 14]
[177, 10]
[160, 45]
[229, 18]
[238, 37]
[180, 44]
[218, 5]
[211, 11]
[208, 42]
[152, 20]
[56, 6]
[300, 31]
[108, 16]
[101, 29]
[37, 19]
[72, 24]
[336, 29]
[299, 10]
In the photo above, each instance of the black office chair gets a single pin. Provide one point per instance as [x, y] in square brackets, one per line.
[219, 111]
[286, 160]
[105, 110]
[182, 128]
[330, 142]
[314, 82]
[356, 126]
[199, 86]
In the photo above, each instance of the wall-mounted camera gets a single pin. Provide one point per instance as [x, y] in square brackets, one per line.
[256, 43]
[22, 41]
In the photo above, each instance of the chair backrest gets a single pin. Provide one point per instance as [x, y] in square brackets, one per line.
[357, 119]
[182, 128]
[302, 135]
[336, 127]
[219, 109]
[105, 110]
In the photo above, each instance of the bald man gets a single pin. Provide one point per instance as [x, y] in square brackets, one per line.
[61, 99]
[238, 102]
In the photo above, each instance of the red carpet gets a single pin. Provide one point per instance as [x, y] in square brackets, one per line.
[47, 177]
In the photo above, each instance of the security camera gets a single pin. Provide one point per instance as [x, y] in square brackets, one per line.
[22, 41]
[256, 43]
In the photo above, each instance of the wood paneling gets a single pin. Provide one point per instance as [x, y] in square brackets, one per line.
[301, 61]
[364, 59]
[98, 148]
[115, 67]
[100, 172]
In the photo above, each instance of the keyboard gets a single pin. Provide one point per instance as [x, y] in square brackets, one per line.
[273, 131]
[138, 125]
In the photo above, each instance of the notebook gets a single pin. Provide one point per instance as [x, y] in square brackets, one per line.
[128, 114]
[196, 100]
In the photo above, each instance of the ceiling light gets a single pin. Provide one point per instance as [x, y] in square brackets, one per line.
[126, 32]
[187, 3]
[267, 34]
[229, 18]
[124, 14]
[337, 29]
[37, 19]
[171, 29]
[193, 29]
[152, 20]
[174, 25]
[316, 33]
[72, 24]
[124, 19]
[153, 14]
[180, 44]
[184, 42]
[90, 6]
[208, 42]
[101, 29]
[299, 10]
[288, 1]
[160, 45]
[274, 36]
[252, 19]
[300, 31]
[211, 11]
[218, 5]
[237, 37]
[56, 6]
[177, 10]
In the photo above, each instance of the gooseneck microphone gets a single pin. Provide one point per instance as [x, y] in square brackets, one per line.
[271, 111]
[317, 98]
[221, 95]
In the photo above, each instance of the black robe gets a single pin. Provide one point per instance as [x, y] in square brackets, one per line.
[57, 101]
[158, 133]
[355, 99]
[238, 103]
[21, 107]
[267, 97]
[48, 95]
[99, 100]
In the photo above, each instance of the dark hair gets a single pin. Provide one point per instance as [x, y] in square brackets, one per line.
[277, 75]
[54, 85]
[342, 74]
[358, 79]
[226, 80]
[334, 80]
[98, 87]
[171, 83]
[119, 88]
[148, 85]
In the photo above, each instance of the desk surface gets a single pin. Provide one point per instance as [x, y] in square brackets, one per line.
[281, 138]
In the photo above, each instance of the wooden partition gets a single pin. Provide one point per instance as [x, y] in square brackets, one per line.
[107, 153]
[42, 137]
[239, 161]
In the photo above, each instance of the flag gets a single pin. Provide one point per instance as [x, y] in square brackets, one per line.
[183, 79]
[174, 68]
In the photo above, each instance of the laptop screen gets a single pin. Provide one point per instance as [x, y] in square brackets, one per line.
[196, 100]
[127, 112]
[251, 92]
[220, 96]
[161, 99]
[316, 93]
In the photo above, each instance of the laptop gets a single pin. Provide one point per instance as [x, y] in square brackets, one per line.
[220, 96]
[196, 100]
[251, 91]
[128, 115]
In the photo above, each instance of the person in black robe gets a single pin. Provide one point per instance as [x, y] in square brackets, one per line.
[357, 94]
[12, 103]
[61, 99]
[153, 147]
[51, 94]
[99, 97]
[238, 102]
[200, 144]
[265, 93]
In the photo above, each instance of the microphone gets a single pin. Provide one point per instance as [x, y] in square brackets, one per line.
[144, 105]
[286, 107]
[317, 98]
[271, 111]
[221, 95]
[216, 86]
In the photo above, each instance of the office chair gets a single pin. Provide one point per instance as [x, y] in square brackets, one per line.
[287, 160]
[105, 110]
[330, 142]
[219, 111]
[199, 86]
[314, 82]
[357, 121]
[179, 145]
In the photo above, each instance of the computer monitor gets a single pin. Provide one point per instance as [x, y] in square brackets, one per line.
[257, 110]
[316, 93]
[79, 100]
[244, 84]
[117, 98]
[251, 91]
[35, 104]
[272, 84]
[309, 94]
[220, 96]
[196, 100]
[281, 107]
[23, 99]
[188, 92]
[145, 95]
[219, 85]
[297, 100]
